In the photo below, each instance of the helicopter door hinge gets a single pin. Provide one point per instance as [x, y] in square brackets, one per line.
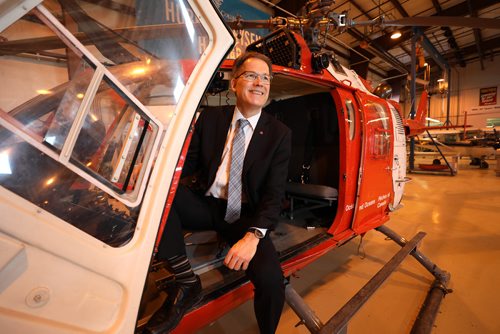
[397, 207]
[404, 180]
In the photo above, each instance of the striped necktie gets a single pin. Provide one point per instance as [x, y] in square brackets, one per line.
[233, 209]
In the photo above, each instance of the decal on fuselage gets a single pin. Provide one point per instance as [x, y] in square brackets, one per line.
[381, 201]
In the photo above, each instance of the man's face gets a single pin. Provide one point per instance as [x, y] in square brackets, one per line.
[251, 95]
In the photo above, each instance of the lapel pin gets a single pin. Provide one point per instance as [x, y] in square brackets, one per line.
[261, 133]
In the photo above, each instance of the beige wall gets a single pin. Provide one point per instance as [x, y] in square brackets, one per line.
[22, 77]
[465, 85]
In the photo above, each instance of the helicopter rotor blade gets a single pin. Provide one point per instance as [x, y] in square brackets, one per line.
[446, 21]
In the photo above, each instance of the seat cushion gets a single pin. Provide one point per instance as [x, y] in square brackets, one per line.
[311, 190]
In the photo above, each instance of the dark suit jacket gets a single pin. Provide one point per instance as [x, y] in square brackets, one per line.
[264, 170]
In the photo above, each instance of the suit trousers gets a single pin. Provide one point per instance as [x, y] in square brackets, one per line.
[194, 211]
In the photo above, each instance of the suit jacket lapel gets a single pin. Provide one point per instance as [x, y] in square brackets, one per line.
[258, 141]
[222, 127]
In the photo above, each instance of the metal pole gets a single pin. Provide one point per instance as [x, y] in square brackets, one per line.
[413, 87]
[412, 154]
[448, 74]
[339, 321]
[413, 94]
[427, 315]
[438, 273]
[305, 313]
[425, 320]
[441, 153]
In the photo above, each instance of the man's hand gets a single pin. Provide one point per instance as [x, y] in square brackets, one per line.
[242, 252]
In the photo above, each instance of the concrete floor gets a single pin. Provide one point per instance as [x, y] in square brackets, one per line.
[461, 216]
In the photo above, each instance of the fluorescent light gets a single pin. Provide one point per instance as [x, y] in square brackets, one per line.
[5, 164]
[440, 80]
[179, 87]
[187, 21]
[138, 70]
[51, 140]
[432, 120]
[50, 181]
[396, 34]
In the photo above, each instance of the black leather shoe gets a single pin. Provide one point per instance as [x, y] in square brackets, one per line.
[181, 298]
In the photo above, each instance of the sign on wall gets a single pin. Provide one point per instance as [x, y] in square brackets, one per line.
[488, 102]
[488, 96]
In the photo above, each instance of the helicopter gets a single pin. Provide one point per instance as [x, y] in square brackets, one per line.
[478, 146]
[92, 150]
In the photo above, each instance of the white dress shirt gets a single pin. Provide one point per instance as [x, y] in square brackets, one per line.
[218, 189]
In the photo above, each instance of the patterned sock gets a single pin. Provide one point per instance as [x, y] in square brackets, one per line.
[182, 269]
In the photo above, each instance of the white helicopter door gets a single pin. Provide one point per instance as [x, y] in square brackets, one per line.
[95, 104]
[399, 159]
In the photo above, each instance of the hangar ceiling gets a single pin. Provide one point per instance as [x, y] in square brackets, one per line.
[459, 46]
[371, 51]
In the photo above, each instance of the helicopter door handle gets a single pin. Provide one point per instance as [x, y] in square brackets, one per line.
[404, 180]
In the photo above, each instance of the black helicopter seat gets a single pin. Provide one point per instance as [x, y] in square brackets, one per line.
[312, 190]
[315, 195]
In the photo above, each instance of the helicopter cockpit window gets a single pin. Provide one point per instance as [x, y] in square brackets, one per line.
[351, 118]
[114, 139]
[378, 123]
[66, 102]
[150, 46]
[83, 104]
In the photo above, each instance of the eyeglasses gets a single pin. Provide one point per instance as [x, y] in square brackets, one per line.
[252, 76]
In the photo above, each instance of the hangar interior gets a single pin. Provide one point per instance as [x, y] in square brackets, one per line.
[461, 223]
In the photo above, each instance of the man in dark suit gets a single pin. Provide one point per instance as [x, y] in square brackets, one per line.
[240, 158]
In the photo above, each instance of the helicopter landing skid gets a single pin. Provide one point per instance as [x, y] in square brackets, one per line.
[338, 323]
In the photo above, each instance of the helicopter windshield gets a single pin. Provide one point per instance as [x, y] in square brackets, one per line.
[88, 90]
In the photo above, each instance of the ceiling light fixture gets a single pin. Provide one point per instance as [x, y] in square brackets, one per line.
[441, 80]
[432, 120]
[396, 34]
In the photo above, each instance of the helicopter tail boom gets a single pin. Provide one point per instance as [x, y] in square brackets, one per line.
[416, 125]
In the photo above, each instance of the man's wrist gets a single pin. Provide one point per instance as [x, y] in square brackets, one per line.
[251, 238]
[257, 232]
